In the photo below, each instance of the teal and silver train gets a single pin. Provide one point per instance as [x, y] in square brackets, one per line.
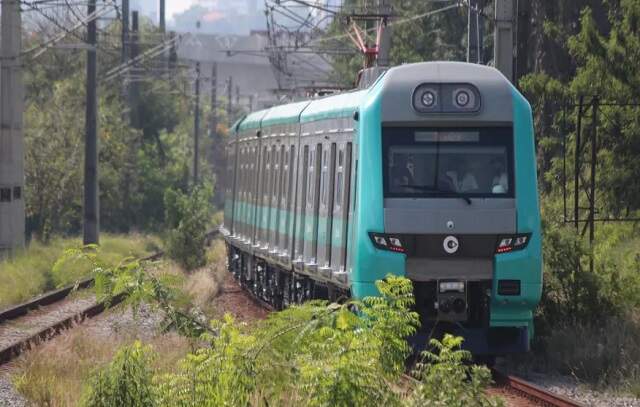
[428, 173]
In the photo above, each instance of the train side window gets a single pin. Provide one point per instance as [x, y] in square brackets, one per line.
[275, 153]
[5, 194]
[323, 180]
[311, 179]
[339, 180]
[285, 177]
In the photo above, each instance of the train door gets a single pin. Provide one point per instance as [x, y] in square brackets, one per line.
[326, 206]
[262, 175]
[289, 202]
[341, 208]
[301, 205]
[276, 187]
[311, 218]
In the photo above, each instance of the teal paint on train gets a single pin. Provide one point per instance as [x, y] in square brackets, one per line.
[525, 265]
[341, 105]
[247, 209]
[284, 114]
[370, 264]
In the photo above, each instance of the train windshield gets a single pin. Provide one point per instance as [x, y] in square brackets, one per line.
[448, 162]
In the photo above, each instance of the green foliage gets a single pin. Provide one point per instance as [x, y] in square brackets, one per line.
[217, 375]
[447, 378]
[316, 354]
[188, 217]
[126, 381]
[140, 156]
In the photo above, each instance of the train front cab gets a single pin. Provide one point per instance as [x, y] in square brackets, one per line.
[446, 194]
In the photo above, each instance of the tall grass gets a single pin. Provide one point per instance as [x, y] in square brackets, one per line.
[29, 273]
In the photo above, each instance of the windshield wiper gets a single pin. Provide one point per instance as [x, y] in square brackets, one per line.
[436, 190]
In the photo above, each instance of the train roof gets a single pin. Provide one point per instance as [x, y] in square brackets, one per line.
[334, 106]
[283, 114]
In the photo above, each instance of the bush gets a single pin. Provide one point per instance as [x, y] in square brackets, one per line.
[126, 381]
[187, 217]
[315, 354]
[447, 379]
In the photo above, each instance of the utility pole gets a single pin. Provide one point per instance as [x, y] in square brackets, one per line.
[214, 99]
[91, 204]
[523, 30]
[474, 39]
[229, 101]
[11, 139]
[134, 88]
[125, 31]
[162, 17]
[196, 127]
[503, 37]
[385, 36]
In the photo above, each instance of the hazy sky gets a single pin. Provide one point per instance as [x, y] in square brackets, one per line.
[177, 6]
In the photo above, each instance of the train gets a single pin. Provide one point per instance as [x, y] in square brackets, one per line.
[428, 173]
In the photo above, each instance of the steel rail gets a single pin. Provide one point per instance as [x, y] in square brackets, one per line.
[15, 349]
[532, 391]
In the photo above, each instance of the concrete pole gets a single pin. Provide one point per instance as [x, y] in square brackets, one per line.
[214, 99]
[503, 37]
[196, 127]
[91, 208]
[125, 31]
[162, 17]
[230, 101]
[134, 88]
[11, 138]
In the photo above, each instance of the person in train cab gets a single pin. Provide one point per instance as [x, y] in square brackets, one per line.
[500, 182]
[403, 173]
[448, 178]
[468, 183]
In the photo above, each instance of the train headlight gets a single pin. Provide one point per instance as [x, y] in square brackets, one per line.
[462, 98]
[511, 243]
[386, 242]
[428, 98]
[446, 98]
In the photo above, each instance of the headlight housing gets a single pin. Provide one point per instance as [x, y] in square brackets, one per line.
[510, 243]
[446, 98]
[384, 241]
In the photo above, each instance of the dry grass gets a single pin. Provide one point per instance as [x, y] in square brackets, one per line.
[204, 284]
[605, 356]
[29, 273]
[57, 373]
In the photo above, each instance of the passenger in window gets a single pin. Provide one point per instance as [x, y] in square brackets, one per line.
[500, 182]
[468, 182]
[403, 173]
[448, 178]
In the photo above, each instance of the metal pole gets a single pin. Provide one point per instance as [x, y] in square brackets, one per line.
[11, 138]
[162, 17]
[125, 31]
[576, 171]
[230, 101]
[134, 89]
[196, 127]
[385, 38]
[594, 160]
[91, 203]
[214, 99]
[472, 33]
[503, 38]
[524, 25]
